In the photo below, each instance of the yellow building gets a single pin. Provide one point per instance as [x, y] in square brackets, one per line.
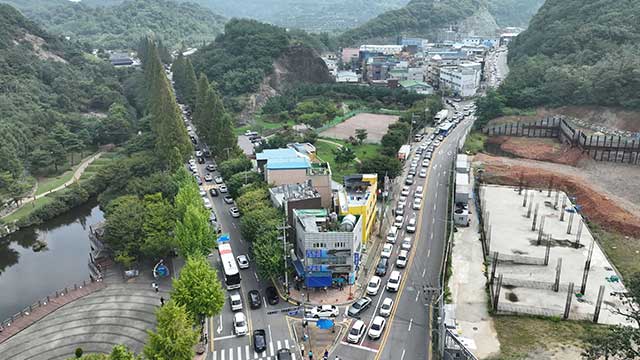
[359, 197]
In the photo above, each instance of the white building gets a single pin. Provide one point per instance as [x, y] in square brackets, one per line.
[384, 49]
[463, 79]
[346, 77]
[332, 65]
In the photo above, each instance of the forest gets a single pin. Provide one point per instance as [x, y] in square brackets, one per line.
[578, 52]
[121, 26]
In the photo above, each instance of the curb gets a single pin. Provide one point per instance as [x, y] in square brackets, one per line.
[296, 302]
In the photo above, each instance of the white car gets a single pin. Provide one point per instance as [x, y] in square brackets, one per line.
[357, 330]
[393, 284]
[402, 200]
[192, 162]
[417, 204]
[423, 173]
[218, 180]
[414, 164]
[235, 301]
[377, 327]
[207, 203]
[400, 209]
[387, 249]
[425, 163]
[411, 226]
[239, 324]
[373, 286]
[203, 192]
[405, 191]
[419, 191]
[401, 260]
[243, 261]
[322, 311]
[222, 188]
[199, 153]
[234, 212]
[398, 221]
[406, 243]
[386, 307]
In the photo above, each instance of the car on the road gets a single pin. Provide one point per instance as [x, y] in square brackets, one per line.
[402, 200]
[235, 300]
[234, 212]
[392, 235]
[211, 167]
[373, 286]
[198, 179]
[377, 327]
[419, 191]
[436, 143]
[212, 217]
[359, 306]
[401, 260]
[284, 354]
[414, 163]
[411, 226]
[405, 191]
[387, 249]
[441, 137]
[381, 268]
[213, 192]
[386, 307]
[413, 171]
[222, 188]
[243, 261]
[203, 192]
[255, 301]
[409, 180]
[417, 204]
[218, 180]
[228, 199]
[400, 209]
[423, 173]
[240, 327]
[207, 203]
[272, 295]
[393, 284]
[322, 311]
[198, 153]
[425, 163]
[398, 221]
[192, 161]
[208, 178]
[406, 243]
[428, 155]
[200, 160]
[356, 332]
[259, 340]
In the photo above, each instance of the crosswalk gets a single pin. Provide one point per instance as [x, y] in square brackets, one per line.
[246, 352]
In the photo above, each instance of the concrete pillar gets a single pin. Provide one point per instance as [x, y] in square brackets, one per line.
[567, 305]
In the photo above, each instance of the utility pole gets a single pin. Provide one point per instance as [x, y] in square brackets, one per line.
[385, 193]
[284, 229]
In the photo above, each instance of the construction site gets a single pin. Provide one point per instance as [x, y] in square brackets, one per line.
[542, 258]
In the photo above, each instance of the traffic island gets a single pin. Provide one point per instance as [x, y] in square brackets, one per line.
[314, 338]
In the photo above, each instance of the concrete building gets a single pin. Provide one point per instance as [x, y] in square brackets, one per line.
[359, 197]
[120, 59]
[350, 56]
[328, 246]
[463, 79]
[487, 41]
[290, 197]
[332, 63]
[347, 77]
[418, 87]
[382, 49]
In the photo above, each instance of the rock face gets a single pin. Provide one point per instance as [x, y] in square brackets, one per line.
[297, 64]
[480, 23]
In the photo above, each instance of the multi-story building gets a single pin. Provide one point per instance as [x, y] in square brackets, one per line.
[358, 196]
[463, 79]
[290, 197]
[328, 246]
[382, 49]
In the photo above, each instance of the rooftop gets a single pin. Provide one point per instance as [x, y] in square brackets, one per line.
[358, 188]
[319, 220]
[280, 159]
[411, 83]
[288, 192]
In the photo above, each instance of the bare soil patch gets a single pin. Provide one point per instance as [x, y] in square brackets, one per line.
[376, 125]
[538, 149]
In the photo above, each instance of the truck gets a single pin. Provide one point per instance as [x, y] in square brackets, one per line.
[404, 152]
[441, 116]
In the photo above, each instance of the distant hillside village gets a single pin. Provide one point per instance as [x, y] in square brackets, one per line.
[453, 64]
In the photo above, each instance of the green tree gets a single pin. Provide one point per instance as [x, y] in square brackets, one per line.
[174, 337]
[201, 102]
[268, 254]
[158, 226]
[178, 71]
[239, 180]
[188, 193]
[40, 159]
[121, 352]
[344, 155]
[257, 220]
[252, 198]
[230, 167]
[198, 289]
[190, 84]
[116, 127]
[490, 107]
[56, 151]
[123, 230]
[381, 165]
[193, 233]
[361, 135]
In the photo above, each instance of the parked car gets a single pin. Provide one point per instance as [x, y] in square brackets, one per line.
[255, 301]
[377, 327]
[235, 300]
[272, 295]
[208, 178]
[359, 306]
[386, 307]
[402, 200]
[409, 180]
[234, 212]
[322, 311]
[401, 260]
[198, 153]
[228, 199]
[423, 173]
[393, 284]
[240, 327]
[400, 209]
[405, 191]
[373, 286]
[392, 235]
[387, 249]
[413, 171]
[259, 340]
[207, 203]
[411, 226]
[200, 160]
[398, 221]
[357, 330]
[406, 243]
[417, 204]
[203, 193]
[425, 163]
[243, 261]
[218, 180]
[211, 167]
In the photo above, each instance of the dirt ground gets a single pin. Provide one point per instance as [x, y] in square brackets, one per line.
[538, 149]
[609, 203]
[376, 125]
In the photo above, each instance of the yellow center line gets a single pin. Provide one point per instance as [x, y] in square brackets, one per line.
[211, 334]
[411, 256]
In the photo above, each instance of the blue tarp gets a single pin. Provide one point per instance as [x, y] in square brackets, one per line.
[324, 323]
[224, 238]
[319, 280]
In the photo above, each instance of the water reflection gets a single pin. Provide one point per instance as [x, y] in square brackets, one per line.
[26, 275]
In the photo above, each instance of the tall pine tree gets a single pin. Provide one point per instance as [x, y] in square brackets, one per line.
[190, 89]
[178, 70]
[201, 100]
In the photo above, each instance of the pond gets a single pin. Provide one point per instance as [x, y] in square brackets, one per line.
[27, 275]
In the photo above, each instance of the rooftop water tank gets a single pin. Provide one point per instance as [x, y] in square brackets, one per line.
[348, 223]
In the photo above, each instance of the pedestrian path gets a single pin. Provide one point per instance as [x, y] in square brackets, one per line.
[247, 353]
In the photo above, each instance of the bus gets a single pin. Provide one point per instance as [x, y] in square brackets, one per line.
[229, 266]
[445, 128]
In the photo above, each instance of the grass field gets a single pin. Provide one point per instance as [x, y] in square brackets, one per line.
[325, 152]
[27, 209]
[474, 143]
[46, 184]
[96, 165]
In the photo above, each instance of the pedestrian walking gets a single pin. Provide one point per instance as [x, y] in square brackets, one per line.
[161, 301]
[310, 355]
[326, 353]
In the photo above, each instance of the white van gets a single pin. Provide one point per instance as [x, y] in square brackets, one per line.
[392, 235]
[394, 281]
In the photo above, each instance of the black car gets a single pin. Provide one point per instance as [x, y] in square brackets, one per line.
[200, 160]
[381, 268]
[213, 192]
[272, 295]
[255, 301]
[284, 354]
[259, 340]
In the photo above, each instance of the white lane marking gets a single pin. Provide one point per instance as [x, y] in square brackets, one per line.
[429, 252]
[239, 353]
[410, 323]
[256, 275]
[215, 355]
[219, 329]
[434, 207]
[424, 271]
[222, 354]
[223, 337]
[255, 355]
[359, 346]
[231, 354]
[417, 295]
[431, 236]
[286, 343]
[375, 311]
[271, 348]
[246, 352]
[266, 304]
[402, 356]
